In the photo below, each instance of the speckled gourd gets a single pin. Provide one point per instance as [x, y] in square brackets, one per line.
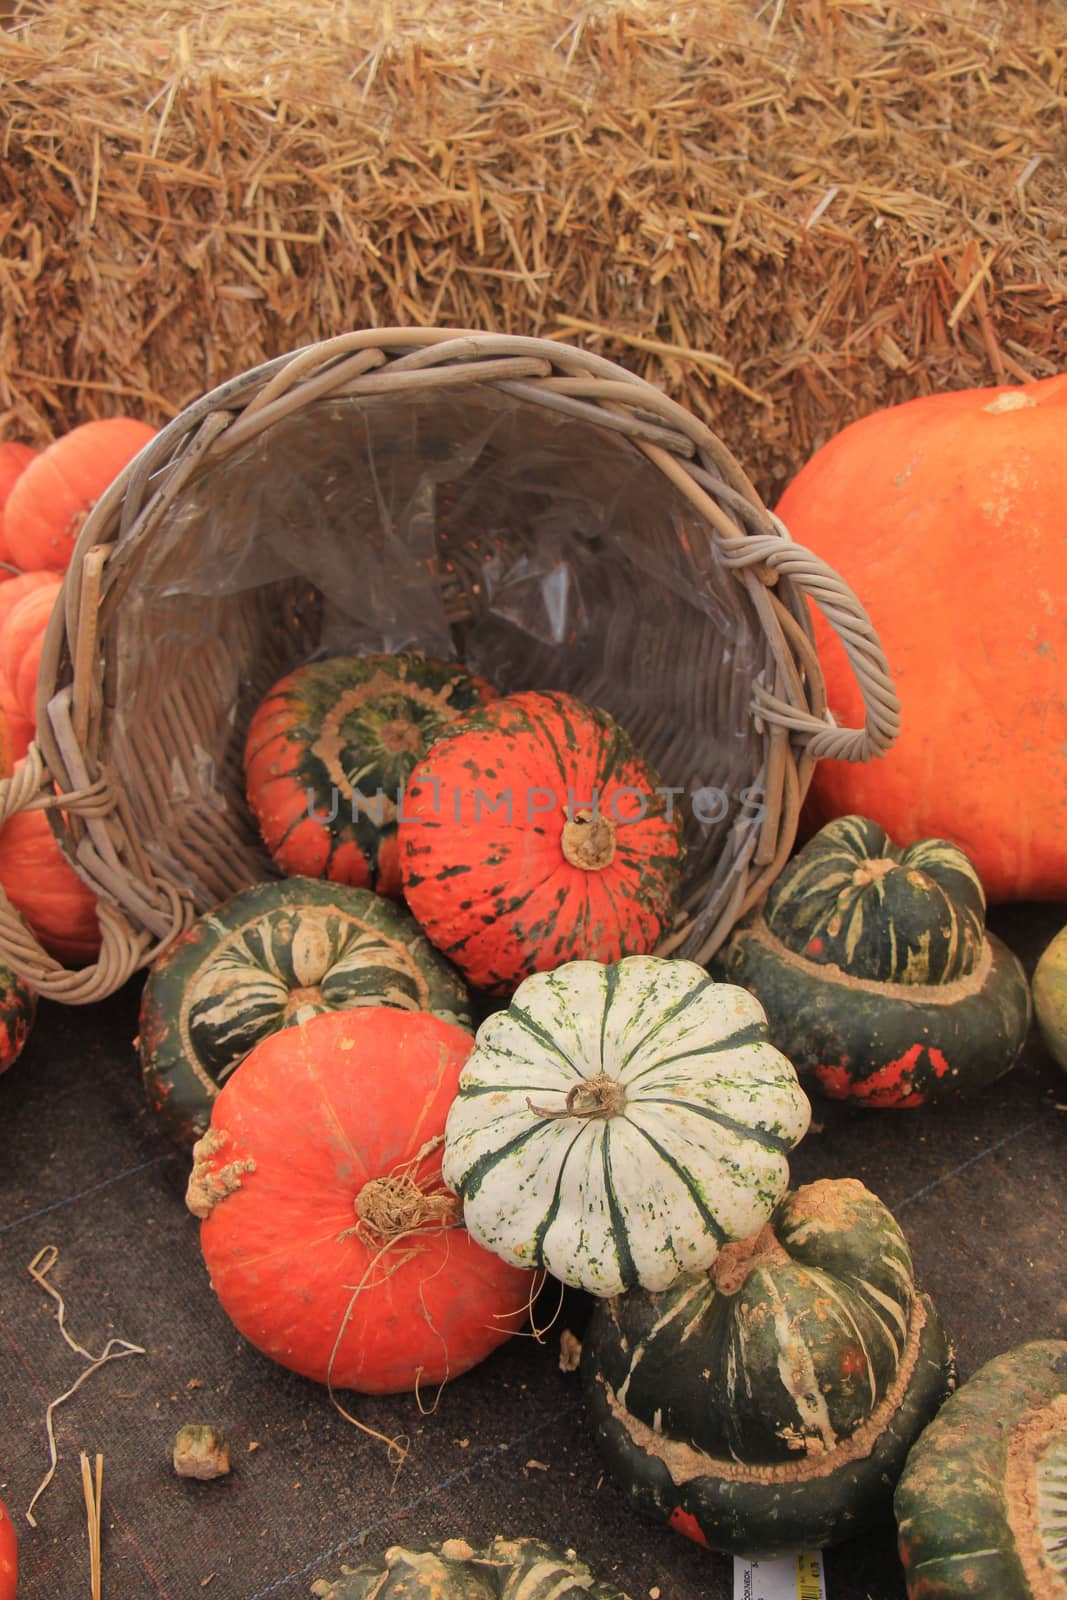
[619, 1124]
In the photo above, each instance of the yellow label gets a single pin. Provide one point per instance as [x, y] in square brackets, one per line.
[810, 1577]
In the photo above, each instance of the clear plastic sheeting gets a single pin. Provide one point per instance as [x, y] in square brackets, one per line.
[544, 552]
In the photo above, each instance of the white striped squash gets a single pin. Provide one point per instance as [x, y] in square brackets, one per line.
[617, 1125]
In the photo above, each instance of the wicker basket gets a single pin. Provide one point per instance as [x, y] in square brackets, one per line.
[697, 635]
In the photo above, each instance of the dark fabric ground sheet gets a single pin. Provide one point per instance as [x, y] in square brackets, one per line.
[978, 1190]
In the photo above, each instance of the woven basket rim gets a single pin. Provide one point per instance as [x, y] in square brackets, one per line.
[140, 912]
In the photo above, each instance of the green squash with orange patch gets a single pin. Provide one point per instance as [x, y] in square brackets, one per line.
[876, 971]
[767, 1405]
[328, 754]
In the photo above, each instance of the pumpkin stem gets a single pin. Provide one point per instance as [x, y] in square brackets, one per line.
[588, 841]
[870, 871]
[309, 995]
[394, 1205]
[735, 1261]
[593, 1097]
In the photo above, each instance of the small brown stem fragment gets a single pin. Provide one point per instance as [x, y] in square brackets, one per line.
[593, 1097]
[201, 1451]
[588, 841]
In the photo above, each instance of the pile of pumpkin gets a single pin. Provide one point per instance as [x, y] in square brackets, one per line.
[381, 1193]
[384, 1173]
[44, 499]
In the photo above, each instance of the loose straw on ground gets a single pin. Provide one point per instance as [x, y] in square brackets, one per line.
[114, 1350]
[786, 214]
[94, 1511]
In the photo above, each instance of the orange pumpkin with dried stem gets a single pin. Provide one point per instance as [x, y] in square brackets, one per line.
[946, 515]
[53, 496]
[331, 1240]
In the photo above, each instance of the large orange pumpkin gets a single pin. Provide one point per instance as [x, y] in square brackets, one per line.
[14, 459]
[331, 1241]
[946, 515]
[21, 640]
[52, 497]
[44, 888]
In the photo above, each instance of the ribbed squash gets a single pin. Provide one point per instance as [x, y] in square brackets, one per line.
[1050, 997]
[981, 1505]
[330, 750]
[505, 1569]
[331, 1241]
[879, 979]
[767, 1406]
[14, 459]
[18, 1008]
[621, 1124]
[534, 835]
[56, 491]
[272, 957]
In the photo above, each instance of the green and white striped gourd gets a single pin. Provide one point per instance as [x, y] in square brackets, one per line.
[981, 1505]
[271, 957]
[505, 1569]
[876, 971]
[619, 1124]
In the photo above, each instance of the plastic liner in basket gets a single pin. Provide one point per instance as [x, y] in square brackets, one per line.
[524, 505]
[541, 551]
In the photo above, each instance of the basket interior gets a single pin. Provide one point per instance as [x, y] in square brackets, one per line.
[543, 551]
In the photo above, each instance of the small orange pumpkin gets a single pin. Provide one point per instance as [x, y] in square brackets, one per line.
[330, 1238]
[945, 515]
[21, 640]
[52, 497]
[44, 888]
[14, 459]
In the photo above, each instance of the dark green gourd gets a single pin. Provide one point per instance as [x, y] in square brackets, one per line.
[876, 971]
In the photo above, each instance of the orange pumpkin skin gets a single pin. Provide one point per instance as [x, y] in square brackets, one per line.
[44, 888]
[22, 584]
[19, 730]
[53, 496]
[495, 866]
[9, 1556]
[318, 1112]
[14, 459]
[21, 641]
[945, 515]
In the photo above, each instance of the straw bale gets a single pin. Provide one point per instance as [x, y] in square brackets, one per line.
[786, 213]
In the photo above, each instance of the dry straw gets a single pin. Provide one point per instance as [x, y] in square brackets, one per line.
[790, 212]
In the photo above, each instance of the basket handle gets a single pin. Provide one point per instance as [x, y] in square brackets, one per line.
[122, 950]
[778, 553]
